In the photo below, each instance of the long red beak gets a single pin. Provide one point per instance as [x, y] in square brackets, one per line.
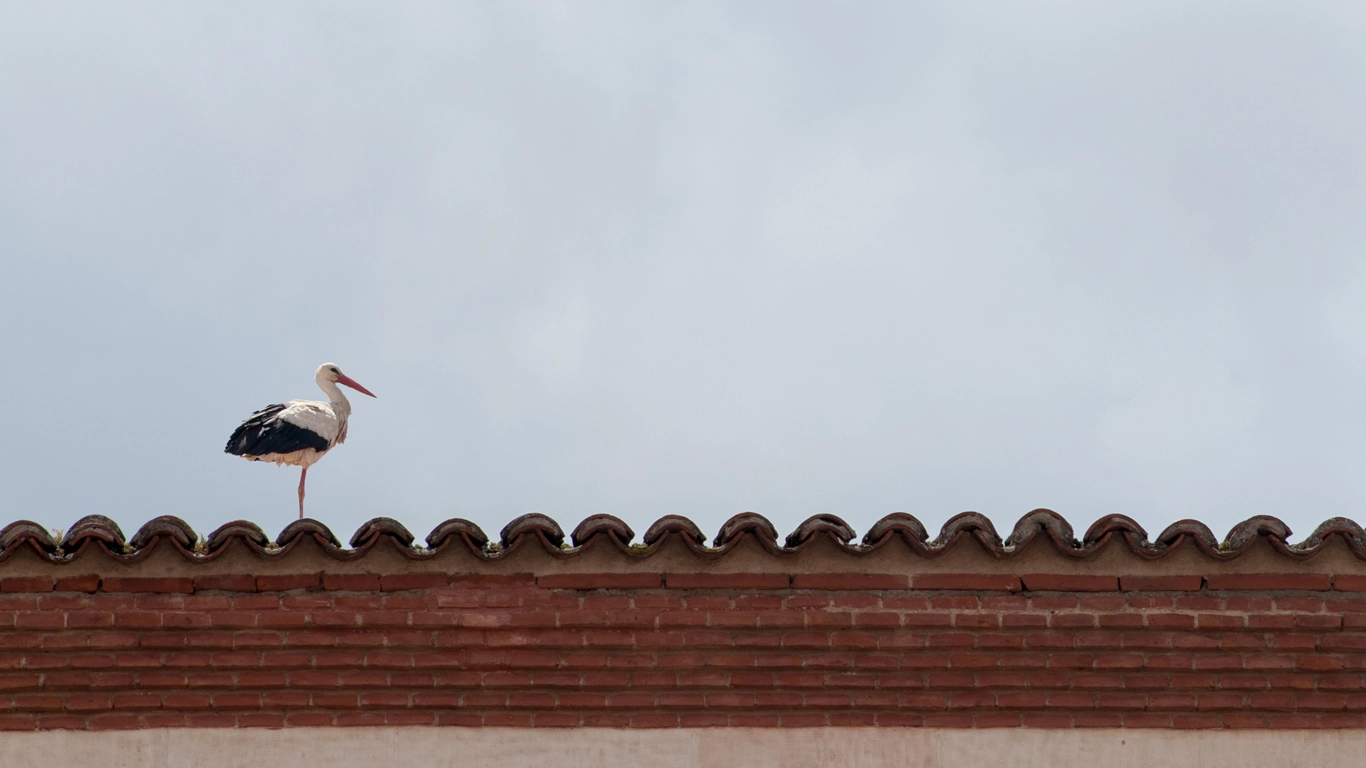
[350, 382]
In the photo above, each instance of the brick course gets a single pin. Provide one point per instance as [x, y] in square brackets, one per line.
[683, 649]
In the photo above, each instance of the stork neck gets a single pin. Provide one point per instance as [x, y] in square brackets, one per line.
[334, 395]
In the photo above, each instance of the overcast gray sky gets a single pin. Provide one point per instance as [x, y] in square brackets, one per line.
[698, 258]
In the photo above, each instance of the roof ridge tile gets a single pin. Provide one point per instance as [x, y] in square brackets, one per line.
[1119, 530]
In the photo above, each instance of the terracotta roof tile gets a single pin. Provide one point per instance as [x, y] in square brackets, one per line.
[1039, 528]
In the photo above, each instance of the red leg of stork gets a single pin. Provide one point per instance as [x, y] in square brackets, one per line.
[302, 478]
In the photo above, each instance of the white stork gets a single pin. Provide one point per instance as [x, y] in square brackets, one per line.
[298, 432]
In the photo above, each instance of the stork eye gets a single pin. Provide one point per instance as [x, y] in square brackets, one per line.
[334, 370]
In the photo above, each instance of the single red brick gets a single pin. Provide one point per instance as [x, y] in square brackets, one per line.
[854, 600]
[226, 583]
[864, 619]
[38, 703]
[1319, 663]
[973, 660]
[1272, 621]
[1045, 582]
[67, 722]
[1302, 642]
[923, 701]
[561, 720]
[1160, 583]
[144, 584]
[112, 722]
[1050, 640]
[888, 719]
[804, 720]
[1315, 581]
[86, 583]
[1349, 583]
[22, 682]
[18, 723]
[1170, 661]
[654, 721]
[1031, 700]
[1121, 701]
[600, 581]
[996, 720]
[1119, 661]
[261, 720]
[26, 584]
[1018, 620]
[1324, 621]
[1071, 700]
[977, 620]
[1046, 720]
[1071, 661]
[288, 582]
[850, 581]
[1299, 604]
[1287, 721]
[382, 699]
[955, 602]
[1246, 603]
[967, 581]
[489, 581]
[362, 718]
[1198, 602]
[1321, 701]
[727, 580]
[86, 703]
[397, 582]
[1196, 721]
[956, 720]
[696, 720]
[310, 718]
[282, 619]
[1170, 621]
[351, 582]
[1243, 720]
[1098, 640]
[237, 701]
[1072, 620]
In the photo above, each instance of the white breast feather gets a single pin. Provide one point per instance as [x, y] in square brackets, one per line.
[316, 417]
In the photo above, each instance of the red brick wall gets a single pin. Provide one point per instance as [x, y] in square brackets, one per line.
[684, 649]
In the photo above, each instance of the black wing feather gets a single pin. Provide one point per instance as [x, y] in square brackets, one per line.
[265, 432]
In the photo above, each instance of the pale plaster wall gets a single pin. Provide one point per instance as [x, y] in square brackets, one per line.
[685, 748]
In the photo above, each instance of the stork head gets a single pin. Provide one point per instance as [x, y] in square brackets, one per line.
[330, 372]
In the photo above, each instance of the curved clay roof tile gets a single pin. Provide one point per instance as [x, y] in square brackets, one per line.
[307, 527]
[106, 533]
[1337, 526]
[237, 529]
[20, 531]
[1114, 524]
[373, 529]
[746, 522]
[457, 526]
[1191, 528]
[674, 524]
[968, 522]
[532, 524]
[908, 526]
[817, 524]
[97, 528]
[1262, 525]
[614, 527]
[1052, 523]
[168, 527]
